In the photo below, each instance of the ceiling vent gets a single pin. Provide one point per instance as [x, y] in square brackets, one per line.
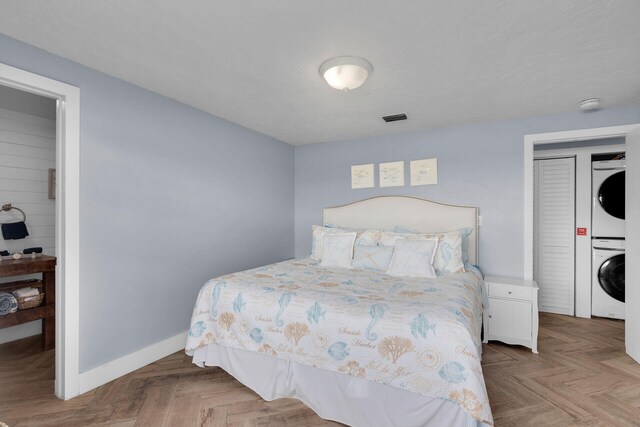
[394, 117]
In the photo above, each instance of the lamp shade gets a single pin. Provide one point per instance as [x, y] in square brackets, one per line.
[346, 72]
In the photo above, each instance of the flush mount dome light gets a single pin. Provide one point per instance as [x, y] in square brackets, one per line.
[346, 72]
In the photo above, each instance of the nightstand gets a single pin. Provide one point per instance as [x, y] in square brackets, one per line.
[512, 316]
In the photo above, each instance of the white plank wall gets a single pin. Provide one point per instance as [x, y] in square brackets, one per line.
[27, 151]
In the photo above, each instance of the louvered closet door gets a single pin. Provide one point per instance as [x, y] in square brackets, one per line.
[554, 239]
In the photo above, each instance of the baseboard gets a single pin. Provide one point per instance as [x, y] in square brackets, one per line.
[21, 331]
[115, 369]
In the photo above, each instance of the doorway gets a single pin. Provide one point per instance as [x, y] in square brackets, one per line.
[67, 165]
[626, 131]
[27, 172]
[571, 275]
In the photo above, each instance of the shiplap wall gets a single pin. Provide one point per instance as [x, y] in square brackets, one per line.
[27, 151]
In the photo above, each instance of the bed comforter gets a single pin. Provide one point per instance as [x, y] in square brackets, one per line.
[422, 335]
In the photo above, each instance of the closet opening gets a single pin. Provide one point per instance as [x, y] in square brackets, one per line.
[566, 226]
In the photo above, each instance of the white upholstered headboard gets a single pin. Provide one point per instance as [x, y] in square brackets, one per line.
[386, 212]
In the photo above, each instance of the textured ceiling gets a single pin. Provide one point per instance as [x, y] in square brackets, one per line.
[444, 63]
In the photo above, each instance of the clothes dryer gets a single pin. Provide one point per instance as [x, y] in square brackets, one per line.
[607, 212]
[607, 283]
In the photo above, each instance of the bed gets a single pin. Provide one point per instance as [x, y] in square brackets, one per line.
[357, 346]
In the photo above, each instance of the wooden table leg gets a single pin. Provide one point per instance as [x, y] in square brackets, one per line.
[48, 323]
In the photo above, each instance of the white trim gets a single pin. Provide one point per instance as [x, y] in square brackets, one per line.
[552, 138]
[67, 219]
[129, 363]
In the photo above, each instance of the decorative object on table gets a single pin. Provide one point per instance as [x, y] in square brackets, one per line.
[424, 172]
[392, 174]
[5, 253]
[8, 303]
[14, 230]
[362, 176]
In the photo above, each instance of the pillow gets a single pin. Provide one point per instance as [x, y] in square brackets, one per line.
[372, 257]
[413, 258]
[448, 254]
[318, 232]
[337, 249]
[367, 237]
[388, 238]
[464, 232]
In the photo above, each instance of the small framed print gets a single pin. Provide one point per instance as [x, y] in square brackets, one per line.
[392, 174]
[362, 176]
[424, 172]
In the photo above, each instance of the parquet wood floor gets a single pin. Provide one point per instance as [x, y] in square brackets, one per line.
[582, 377]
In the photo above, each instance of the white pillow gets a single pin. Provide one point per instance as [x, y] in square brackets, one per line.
[363, 237]
[337, 249]
[376, 258]
[413, 258]
[449, 254]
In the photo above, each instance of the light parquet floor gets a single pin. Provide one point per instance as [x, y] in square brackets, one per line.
[582, 377]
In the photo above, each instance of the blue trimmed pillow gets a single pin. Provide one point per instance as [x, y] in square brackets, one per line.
[414, 258]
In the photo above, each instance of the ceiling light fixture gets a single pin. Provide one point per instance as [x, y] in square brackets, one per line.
[346, 72]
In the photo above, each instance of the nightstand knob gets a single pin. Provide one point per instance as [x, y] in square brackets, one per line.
[490, 317]
[509, 292]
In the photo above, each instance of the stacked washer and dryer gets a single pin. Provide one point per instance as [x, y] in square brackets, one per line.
[608, 233]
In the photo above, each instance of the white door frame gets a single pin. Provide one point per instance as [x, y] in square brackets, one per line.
[552, 138]
[67, 228]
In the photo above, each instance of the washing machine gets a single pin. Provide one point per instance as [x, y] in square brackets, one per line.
[607, 212]
[607, 283]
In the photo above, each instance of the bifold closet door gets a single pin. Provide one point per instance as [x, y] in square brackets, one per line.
[554, 234]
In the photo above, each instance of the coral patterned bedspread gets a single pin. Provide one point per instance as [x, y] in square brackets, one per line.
[422, 335]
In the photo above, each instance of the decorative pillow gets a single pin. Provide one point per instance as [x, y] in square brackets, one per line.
[337, 249]
[413, 258]
[318, 232]
[372, 257]
[365, 237]
[464, 232]
[368, 237]
[448, 255]
[388, 238]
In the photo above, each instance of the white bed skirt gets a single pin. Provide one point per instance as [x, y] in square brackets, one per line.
[332, 395]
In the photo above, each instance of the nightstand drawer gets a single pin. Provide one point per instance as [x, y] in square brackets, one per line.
[509, 291]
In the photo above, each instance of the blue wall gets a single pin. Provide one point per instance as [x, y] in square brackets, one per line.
[170, 197]
[480, 165]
